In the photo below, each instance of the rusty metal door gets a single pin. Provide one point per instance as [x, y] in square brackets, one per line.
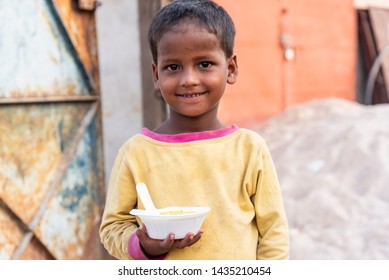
[51, 176]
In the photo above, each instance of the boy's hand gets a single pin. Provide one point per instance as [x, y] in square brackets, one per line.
[155, 247]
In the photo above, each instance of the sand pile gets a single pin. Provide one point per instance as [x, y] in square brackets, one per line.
[332, 158]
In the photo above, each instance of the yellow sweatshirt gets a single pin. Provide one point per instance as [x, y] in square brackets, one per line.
[230, 170]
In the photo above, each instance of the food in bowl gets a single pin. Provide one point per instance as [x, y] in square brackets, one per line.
[177, 212]
[177, 220]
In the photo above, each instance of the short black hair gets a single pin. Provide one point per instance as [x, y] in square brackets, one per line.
[204, 12]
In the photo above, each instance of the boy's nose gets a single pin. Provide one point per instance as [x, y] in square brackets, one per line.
[189, 78]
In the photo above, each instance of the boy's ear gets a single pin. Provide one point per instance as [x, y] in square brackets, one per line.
[232, 69]
[155, 76]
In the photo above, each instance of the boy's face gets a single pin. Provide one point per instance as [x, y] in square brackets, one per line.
[192, 70]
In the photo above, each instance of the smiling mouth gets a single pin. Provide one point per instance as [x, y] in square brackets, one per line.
[191, 95]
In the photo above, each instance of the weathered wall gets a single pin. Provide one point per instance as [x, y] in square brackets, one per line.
[322, 35]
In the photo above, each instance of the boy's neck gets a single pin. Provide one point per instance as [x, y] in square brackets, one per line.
[175, 125]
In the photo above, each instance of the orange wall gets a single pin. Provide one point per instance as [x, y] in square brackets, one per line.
[323, 36]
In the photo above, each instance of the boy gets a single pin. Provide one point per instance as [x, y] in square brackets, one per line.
[193, 159]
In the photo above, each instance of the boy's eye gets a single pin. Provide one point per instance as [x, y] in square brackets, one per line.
[172, 67]
[205, 64]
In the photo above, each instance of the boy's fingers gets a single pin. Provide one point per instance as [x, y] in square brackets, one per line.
[200, 233]
[168, 241]
[186, 241]
[196, 238]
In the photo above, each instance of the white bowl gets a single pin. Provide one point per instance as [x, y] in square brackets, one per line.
[160, 224]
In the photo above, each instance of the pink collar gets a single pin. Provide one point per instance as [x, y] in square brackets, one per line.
[189, 137]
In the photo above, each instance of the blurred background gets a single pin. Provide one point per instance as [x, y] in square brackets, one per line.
[75, 84]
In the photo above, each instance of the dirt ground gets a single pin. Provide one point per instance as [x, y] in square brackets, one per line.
[332, 159]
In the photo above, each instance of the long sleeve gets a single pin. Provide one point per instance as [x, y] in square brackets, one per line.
[117, 224]
[270, 214]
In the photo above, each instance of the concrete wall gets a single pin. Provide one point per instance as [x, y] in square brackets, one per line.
[320, 34]
[120, 75]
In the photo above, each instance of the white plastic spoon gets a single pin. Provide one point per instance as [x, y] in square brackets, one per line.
[144, 195]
